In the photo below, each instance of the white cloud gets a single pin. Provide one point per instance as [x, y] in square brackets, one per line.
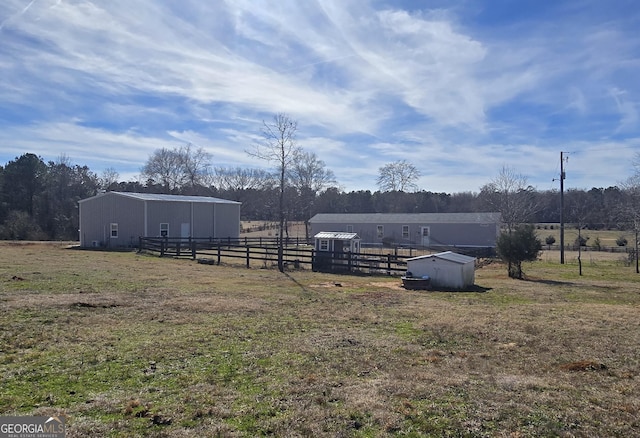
[368, 85]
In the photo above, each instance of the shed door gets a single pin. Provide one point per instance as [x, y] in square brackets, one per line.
[425, 232]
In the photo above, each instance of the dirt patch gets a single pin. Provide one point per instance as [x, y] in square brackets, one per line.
[388, 285]
[583, 365]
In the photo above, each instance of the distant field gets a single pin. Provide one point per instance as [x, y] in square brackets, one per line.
[128, 345]
[607, 237]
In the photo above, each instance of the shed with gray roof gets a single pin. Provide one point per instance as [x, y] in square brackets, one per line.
[118, 219]
[445, 270]
[479, 230]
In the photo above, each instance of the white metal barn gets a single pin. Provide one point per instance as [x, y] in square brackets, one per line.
[118, 219]
[446, 269]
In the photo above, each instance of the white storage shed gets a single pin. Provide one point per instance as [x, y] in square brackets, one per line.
[446, 269]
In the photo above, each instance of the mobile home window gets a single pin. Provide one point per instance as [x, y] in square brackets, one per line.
[405, 231]
[114, 231]
[164, 230]
[380, 229]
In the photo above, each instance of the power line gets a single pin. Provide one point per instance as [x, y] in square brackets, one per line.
[603, 148]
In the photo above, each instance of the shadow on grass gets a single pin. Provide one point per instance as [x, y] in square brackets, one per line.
[550, 282]
[304, 289]
[472, 289]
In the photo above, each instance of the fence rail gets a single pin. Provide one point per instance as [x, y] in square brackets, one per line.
[263, 252]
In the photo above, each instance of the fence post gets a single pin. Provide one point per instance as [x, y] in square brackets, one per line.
[193, 249]
[388, 264]
[162, 248]
[248, 256]
[218, 253]
[140, 244]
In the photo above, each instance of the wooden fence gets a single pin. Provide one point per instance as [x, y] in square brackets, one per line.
[263, 252]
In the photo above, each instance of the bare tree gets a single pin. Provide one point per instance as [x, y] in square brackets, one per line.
[280, 148]
[164, 167]
[580, 213]
[630, 209]
[196, 165]
[108, 177]
[399, 176]
[510, 194]
[309, 175]
[178, 168]
[239, 179]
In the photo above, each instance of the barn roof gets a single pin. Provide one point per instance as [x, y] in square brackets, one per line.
[336, 235]
[460, 259]
[166, 198]
[406, 218]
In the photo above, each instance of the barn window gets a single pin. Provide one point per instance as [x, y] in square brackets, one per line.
[324, 245]
[380, 229]
[164, 230]
[349, 228]
[114, 231]
[405, 231]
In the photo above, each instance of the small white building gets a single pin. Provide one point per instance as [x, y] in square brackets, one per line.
[446, 269]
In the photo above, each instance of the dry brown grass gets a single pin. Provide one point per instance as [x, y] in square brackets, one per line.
[130, 345]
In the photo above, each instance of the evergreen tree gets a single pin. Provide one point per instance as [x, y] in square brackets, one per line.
[517, 246]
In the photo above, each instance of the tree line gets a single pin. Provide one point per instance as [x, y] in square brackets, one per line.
[39, 200]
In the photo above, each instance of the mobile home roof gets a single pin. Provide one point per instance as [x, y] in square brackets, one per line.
[405, 218]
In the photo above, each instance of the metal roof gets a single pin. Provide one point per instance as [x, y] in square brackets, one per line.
[447, 255]
[166, 198]
[406, 218]
[336, 235]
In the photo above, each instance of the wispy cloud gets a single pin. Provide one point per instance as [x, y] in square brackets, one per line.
[459, 91]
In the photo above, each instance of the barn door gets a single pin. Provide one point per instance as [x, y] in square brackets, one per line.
[425, 232]
[185, 230]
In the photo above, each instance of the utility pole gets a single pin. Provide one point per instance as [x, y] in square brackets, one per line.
[562, 176]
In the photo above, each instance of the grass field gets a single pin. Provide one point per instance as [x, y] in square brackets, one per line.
[607, 238]
[127, 345]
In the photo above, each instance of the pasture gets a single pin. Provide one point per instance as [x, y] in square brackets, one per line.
[129, 345]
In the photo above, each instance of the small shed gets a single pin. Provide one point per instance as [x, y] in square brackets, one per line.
[446, 269]
[335, 250]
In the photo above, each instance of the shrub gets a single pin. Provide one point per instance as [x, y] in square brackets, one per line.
[581, 241]
[518, 246]
[550, 240]
[596, 244]
[621, 241]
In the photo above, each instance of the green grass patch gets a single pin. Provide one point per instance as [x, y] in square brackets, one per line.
[126, 345]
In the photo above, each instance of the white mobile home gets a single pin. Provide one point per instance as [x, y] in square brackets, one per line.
[478, 230]
[446, 269]
[118, 219]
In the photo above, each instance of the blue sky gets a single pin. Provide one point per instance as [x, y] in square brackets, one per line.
[458, 88]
